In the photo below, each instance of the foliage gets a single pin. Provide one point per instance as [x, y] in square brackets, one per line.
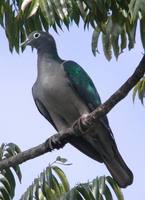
[98, 189]
[115, 20]
[140, 90]
[7, 177]
[52, 184]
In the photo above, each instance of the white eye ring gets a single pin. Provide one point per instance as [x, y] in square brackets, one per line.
[36, 35]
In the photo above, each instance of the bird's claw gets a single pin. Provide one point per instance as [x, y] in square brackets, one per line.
[82, 124]
[54, 142]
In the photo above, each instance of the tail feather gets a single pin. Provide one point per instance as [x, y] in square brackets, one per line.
[100, 145]
[112, 158]
[120, 171]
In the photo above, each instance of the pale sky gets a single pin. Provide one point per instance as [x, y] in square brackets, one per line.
[21, 123]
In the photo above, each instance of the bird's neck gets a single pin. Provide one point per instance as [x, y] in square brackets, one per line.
[49, 55]
[46, 62]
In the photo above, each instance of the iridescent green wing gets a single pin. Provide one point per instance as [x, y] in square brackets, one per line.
[85, 88]
[83, 84]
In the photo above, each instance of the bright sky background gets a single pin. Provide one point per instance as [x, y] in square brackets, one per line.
[21, 123]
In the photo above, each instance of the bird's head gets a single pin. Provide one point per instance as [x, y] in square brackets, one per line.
[40, 40]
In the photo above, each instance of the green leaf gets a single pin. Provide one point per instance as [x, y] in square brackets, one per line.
[135, 92]
[85, 192]
[61, 9]
[9, 25]
[115, 45]
[95, 188]
[4, 193]
[33, 8]
[95, 38]
[6, 185]
[2, 15]
[123, 40]
[31, 192]
[106, 40]
[117, 28]
[60, 159]
[45, 10]
[49, 193]
[134, 7]
[36, 188]
[49, 176]
[2, 146]
[142, 31]
[115, 188]
[62, 177]
[107, 193]
[139, 85]
[18, 172]
[80, 7]
[57, 187]
[77, 11]
[101, 184]
[131, 31]
[141, 89]
[7, 179]
[44, 22]
[73, 194]
[7, 173]
[101, 4]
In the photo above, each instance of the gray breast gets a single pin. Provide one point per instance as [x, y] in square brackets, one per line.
[54, 91]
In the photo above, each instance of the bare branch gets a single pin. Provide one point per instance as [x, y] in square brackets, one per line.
[57, 141]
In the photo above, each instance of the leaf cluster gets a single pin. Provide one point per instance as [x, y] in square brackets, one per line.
[98, 189]
[7, 176]
[52, 184]
[140, 90]
[115, 20]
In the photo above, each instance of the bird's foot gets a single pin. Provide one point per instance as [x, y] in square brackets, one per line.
[54, 142]
[81, 124]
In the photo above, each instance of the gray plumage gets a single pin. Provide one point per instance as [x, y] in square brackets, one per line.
[63, 92]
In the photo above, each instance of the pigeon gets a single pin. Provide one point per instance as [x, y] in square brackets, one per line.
[63, 92]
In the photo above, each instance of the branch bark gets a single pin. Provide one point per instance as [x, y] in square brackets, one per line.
[57, 141]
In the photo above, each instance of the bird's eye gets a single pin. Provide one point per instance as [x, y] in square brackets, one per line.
[36, 35]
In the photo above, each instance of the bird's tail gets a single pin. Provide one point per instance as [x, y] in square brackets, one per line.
[119, 170]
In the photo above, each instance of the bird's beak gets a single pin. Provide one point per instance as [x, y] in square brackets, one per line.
[25, 43]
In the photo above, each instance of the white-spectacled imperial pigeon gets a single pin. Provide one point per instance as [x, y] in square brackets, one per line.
[63, 92]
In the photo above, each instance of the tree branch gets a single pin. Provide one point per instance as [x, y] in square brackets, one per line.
[57, 141]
